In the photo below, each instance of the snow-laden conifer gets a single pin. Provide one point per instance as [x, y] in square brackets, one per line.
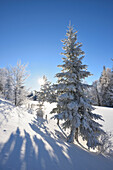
[109, 92]
[105, 86]
[93, 93]
[72, 105]
[44, 93]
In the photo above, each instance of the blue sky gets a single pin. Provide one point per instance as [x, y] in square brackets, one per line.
[32, 30]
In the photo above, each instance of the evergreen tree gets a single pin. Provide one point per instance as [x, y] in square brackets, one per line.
[105, 81]
[93, 93]
[46, 93]
[72, 105]
[109, 93]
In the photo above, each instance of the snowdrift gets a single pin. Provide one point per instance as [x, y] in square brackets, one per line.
[28, 143]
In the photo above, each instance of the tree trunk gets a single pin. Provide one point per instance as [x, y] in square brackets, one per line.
[71, 137]
[76, 135]
[15, 98]
[98, 98]
[58, 122]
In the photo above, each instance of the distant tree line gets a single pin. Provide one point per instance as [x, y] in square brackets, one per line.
[101, 91]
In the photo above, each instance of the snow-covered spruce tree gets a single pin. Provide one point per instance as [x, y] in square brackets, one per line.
[109, 92]
[45, 90]
[93, 93]
[72, 105]
[43, 95]
[19, 76]
[46, 93]
[105, 81]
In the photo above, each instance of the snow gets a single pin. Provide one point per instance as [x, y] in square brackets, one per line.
[107, 115]
[28, 143]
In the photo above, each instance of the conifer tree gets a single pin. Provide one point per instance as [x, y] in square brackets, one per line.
[72, 105]
[109, 92]
[44, 93]
[105, 83]
[93, 93]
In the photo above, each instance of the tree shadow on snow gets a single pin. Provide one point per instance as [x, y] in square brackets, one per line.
[45, 153]
[10, 153]
[67, 156]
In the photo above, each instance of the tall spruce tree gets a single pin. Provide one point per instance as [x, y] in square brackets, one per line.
[72, 105]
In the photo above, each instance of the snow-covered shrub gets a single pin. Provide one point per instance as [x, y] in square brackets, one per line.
[106, 144]
[39, 110]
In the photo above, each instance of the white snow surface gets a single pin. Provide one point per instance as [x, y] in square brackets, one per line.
[30, 143]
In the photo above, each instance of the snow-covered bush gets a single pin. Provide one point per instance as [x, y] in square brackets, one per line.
[39, 110]
[106, 144]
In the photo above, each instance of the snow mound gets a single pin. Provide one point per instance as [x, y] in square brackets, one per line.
[28, 143]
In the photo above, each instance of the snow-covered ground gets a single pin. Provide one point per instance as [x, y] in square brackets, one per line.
[107, 114]
[28, 143]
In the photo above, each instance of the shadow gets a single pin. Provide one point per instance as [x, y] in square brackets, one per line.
[41, 152]
[11, 152]
[29, 161]
[46, 158]
[5, 102]
[5, 108]
[58, 152]
[62, 132]
[38, 125]
[66, 156]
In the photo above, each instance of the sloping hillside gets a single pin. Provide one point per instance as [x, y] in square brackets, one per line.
[28, 143]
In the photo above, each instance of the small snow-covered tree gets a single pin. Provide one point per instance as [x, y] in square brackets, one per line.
[109, 92]
[105, 84]
[93, 93]
[19, 90]
[43, 95]
[45, 90]
[46, 93]
[106, 144]
[3, 79]
[72, 105]
[9, 86]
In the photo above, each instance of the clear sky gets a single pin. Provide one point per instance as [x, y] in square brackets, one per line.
[32, 30]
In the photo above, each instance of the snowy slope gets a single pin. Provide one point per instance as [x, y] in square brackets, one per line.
[30, 144]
